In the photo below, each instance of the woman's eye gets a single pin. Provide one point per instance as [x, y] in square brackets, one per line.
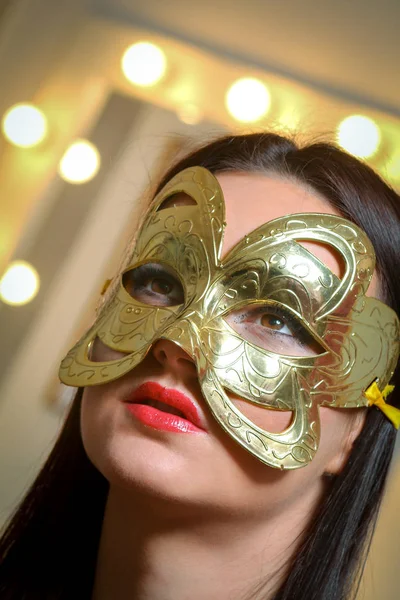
[273, 322]
[154, 284]
[275, 329]
[161, 286]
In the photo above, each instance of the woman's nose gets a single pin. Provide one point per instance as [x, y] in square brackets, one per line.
[173, 357]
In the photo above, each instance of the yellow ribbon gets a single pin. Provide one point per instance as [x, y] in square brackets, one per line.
[377, 398]
[105, 287]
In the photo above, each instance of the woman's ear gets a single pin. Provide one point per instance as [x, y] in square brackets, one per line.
[340, 458]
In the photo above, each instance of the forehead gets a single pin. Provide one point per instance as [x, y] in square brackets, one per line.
[252, 199]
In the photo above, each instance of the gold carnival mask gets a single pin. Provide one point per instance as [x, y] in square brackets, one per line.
[270, 323]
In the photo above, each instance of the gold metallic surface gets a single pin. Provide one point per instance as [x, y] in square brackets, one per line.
[354, 338]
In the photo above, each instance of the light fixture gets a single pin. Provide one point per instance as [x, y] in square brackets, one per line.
[144, 64]
[19, 284]
[80, 162]
[24, 125]
[359, 135]
[247, 100]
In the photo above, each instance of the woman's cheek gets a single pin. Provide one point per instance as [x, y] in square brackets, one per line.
[273, 421]
[99, 352]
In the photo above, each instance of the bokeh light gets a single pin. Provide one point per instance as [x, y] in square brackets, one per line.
[24, 125]
[190, 114]
[19, 284]
[144, 64]
[359, 135]
[289, 121]
[247, 100]
[80, 162]
[393, 167]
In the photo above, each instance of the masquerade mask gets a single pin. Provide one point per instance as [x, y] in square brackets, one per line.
[270, 323]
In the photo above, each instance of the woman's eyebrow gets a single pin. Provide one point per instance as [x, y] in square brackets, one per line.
[240, 272]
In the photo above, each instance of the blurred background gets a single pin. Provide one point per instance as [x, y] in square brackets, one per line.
[97, 98]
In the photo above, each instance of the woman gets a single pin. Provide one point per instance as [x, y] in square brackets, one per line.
[177, 473]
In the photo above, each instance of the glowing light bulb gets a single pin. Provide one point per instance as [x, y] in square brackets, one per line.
[248, 100]
[144, 64]
[80, 162]
[24, 125]
[19, 284]
[359, 135]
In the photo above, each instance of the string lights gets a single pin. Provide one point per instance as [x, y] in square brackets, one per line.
[24, 125]
[144, 64]
[359, 135]
[80, 163]
[248, 100]
[19, 284]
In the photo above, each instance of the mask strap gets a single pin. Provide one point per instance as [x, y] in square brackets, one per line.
[377, 398]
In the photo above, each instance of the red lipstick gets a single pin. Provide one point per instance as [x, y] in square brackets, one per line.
[164, 409]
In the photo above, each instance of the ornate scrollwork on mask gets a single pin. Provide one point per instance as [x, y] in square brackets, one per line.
[231, 314]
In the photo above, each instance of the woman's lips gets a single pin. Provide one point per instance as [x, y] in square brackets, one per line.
[164, 409]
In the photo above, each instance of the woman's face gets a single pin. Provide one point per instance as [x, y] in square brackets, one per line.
[203, 467]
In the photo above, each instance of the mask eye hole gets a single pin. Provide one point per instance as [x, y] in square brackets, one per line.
[326, 254]
[154, 284]
[177, 200]
[98, 351]
[275, 328]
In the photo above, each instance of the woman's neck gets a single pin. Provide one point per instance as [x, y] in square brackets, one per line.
[150, 551]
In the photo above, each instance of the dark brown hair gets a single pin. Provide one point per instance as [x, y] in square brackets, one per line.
[50, 546]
